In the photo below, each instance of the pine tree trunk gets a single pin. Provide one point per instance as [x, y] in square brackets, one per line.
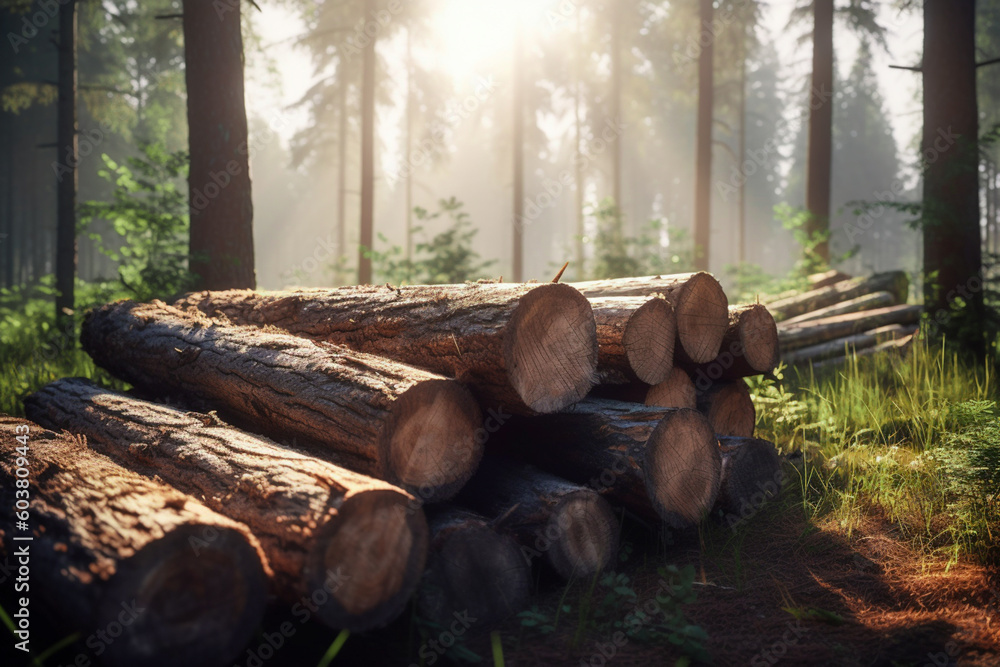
[108, 547]
[703, 140]
[221, 244]
[66, 159]
[830, 328]
[729, 408]
[381, 418]
[571, 526]
[635, 338]
[658, 462]
[749, 346]
[820, 149]
[368, 65]
[894, 282]
[522, 348]
[700, 306]
[321, 527]
[517, 146]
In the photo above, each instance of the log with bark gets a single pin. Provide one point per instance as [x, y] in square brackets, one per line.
[830, 328]
[729, 408]
[863, 302]
[475, 576]
[894, 282]
[524, 348]
[571, 526]
[635, 338]
[894, 346]
[699, 302]
[751, 475]
[827, 278]
[658, 462]
[750, 347]
[379, 417]
[170, 580]
[359, 541]
[677, 391]
[841, 346]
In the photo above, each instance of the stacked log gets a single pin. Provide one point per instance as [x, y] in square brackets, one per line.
[322, 527]
[894, 282]
[635, 337]
[751, 475]
[172, 581]
[729, 408]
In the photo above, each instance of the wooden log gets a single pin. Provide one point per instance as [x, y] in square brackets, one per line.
[830, 328]
[751, 475]
[107, 549]
[323, 528]
[895, 282]
[658, 462]
[841, 346]
[699, 302]
[407, 426]
[524, 348]
[474, 574]
[635, 338]
[571, 526]
[827, 278]
[895, 346]
[750, 347]
[729, 408]
[863, 302]
[677, 391]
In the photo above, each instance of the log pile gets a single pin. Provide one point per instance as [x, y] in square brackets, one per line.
[843, 317]
[367, 444]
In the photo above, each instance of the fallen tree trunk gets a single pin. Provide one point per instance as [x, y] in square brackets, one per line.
[896, 346]
[846, 345]
[107, 548]
[863, 302]
[894, 282]
[827, 278]
[524, 348]
[635, 338]
[657, 462]
[677, 391]
[322, 527]
[570, 525]
[750, 347]
[729, 408]
[475, 576]
[699, 303]
[381, 418]
[830, 328]
[751, 475]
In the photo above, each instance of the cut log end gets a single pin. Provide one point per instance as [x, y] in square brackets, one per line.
[589, 535]
[649, 340]
[551, 352]
[759, 338]
[433, 446]
[677, 391]
[751, 474]
[729, 408]
[702, 317]
[372, 561]
[683, 468]
[207, 625]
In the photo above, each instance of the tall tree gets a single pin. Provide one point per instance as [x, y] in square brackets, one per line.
[952, 250]
[703, 151]
[367, 153]
[517, 141]
[68, 150]
[820, 146]
[221, 245]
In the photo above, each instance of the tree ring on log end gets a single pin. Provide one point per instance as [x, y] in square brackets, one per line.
[194, 597]
[649, 340]
[550, 350]
[702, 310]
[368, 560]
[677, 391]
[731, 410]
[435, 439]
[589, 535]
[759, 338]
[683, 468]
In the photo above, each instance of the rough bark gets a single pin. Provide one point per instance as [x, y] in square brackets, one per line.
[729, 408]
[635, 338]
[700, 306]
[895, 346]
[571, 526]
[749, 347]
[381, 418]
[751, 475]
[894, 282]
[827, 278]
[857, 342]
[819, 331]
[321, 526]
[219, 179]
[109, 547]
[677, 391]
[856, 305]
[473, 572]
[658, 462]
[523, 348]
